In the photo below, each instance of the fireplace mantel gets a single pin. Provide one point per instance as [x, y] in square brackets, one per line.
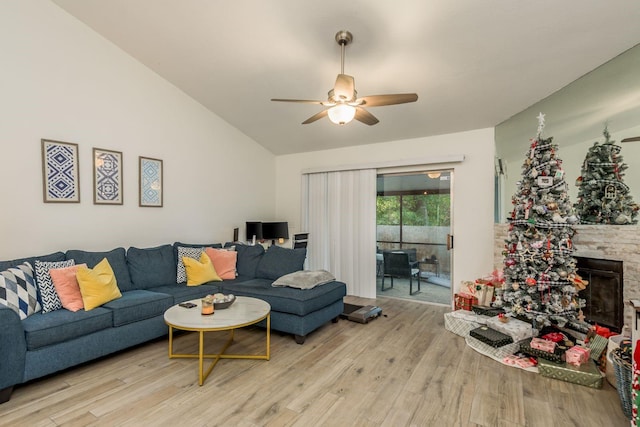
[612, 242]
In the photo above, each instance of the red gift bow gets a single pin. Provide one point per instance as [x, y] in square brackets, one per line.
[602, 331]
[554, 336]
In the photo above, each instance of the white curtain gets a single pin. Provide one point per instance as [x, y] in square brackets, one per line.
[339, 212]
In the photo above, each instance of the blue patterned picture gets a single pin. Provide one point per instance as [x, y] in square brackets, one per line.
[60, 171]
[150, 182]
[107, 177]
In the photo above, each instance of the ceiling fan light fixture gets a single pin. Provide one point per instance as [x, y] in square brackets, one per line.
[341, 114]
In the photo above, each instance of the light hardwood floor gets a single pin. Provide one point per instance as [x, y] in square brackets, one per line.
[403, 369]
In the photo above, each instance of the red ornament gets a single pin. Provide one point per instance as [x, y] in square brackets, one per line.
[530, 281]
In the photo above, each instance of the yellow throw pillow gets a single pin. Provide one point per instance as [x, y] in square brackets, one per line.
[98, 285]
[199, 272]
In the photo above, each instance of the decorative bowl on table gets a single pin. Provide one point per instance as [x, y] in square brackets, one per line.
[221, 301]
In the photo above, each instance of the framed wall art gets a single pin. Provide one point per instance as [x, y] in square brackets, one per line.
[60, 172]
[107, 177]
[150, 180]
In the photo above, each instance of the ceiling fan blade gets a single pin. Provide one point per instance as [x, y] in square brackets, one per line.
[345, 88]
[365, 117]
[632, 139]
[379, 100]
[315, 117]
[304, 101]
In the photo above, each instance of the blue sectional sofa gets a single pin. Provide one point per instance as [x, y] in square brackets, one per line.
[45, 343]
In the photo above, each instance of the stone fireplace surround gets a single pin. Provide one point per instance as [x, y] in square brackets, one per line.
[613, 242]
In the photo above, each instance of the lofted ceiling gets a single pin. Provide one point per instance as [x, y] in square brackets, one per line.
[472, 63]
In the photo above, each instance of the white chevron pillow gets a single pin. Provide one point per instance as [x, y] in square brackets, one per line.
[48, 294]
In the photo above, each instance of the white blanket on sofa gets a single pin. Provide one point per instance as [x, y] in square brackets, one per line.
[305, 279]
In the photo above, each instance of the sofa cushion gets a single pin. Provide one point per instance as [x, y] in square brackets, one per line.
[18, 290]
[288, 300]
[277, 262]
[48, 296]
[248, 259]
[117, 261]
[186, 252]
[66, 284]
[56, 256]
[193, 245]
[224, 261]
[181, 292]
[98, 285]
[152, 267]
[63, 325]
[138, 305]
[200, 271]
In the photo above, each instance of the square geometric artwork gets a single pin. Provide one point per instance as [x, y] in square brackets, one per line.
[60, 171]
[107, 177]
[150, 180]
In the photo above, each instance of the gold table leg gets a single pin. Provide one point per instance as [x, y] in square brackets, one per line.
[202, 375]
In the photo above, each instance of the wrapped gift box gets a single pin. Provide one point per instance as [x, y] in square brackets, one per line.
[491, 336]
[457, 325]
[577, 355]
[464, 301]
[587, 374]
[555, 356]
[598, 345]
[543, 345]
[497, 354]
[516, 329]
[487, 311]
[522, 362]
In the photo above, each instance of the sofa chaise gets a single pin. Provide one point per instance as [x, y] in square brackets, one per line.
[45, 343]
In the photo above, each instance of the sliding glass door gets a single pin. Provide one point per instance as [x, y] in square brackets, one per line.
[413, 214]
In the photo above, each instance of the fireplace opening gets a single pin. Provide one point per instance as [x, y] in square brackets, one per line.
[604, 298]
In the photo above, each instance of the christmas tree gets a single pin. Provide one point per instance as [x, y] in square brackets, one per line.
[603, 197]
[541, 283]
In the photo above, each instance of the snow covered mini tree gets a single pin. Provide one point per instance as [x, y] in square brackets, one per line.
[603, 197]
[541, 283]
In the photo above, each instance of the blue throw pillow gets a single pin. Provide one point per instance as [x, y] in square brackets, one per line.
[18, 290]
[151, 267]
[248, 259]
[277, 261]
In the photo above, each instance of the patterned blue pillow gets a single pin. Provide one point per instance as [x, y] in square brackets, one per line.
[194, 253]
[18, 290]
[48, 294]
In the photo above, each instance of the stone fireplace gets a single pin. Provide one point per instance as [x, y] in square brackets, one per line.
[617, 243]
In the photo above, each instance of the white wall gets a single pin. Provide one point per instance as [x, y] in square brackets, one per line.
[472, 187]
[60, 80]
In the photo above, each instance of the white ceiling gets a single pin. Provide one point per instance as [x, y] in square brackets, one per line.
[472, 63]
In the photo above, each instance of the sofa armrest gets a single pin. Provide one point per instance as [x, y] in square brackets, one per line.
[13, 348]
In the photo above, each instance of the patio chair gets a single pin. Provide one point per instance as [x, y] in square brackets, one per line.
[397, 265]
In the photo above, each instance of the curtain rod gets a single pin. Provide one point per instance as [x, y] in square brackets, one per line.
[434, 160]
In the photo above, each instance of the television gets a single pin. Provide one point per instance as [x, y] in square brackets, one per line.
[275, 231]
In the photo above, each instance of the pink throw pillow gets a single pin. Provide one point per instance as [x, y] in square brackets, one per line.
[67, 287]
[224, 262]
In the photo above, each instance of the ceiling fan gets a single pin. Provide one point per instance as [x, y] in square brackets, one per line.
[343, 104]
[632, 139]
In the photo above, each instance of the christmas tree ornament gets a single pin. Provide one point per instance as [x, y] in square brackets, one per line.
[610, 191]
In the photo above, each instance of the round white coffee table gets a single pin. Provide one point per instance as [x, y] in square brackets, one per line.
[244, 311]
